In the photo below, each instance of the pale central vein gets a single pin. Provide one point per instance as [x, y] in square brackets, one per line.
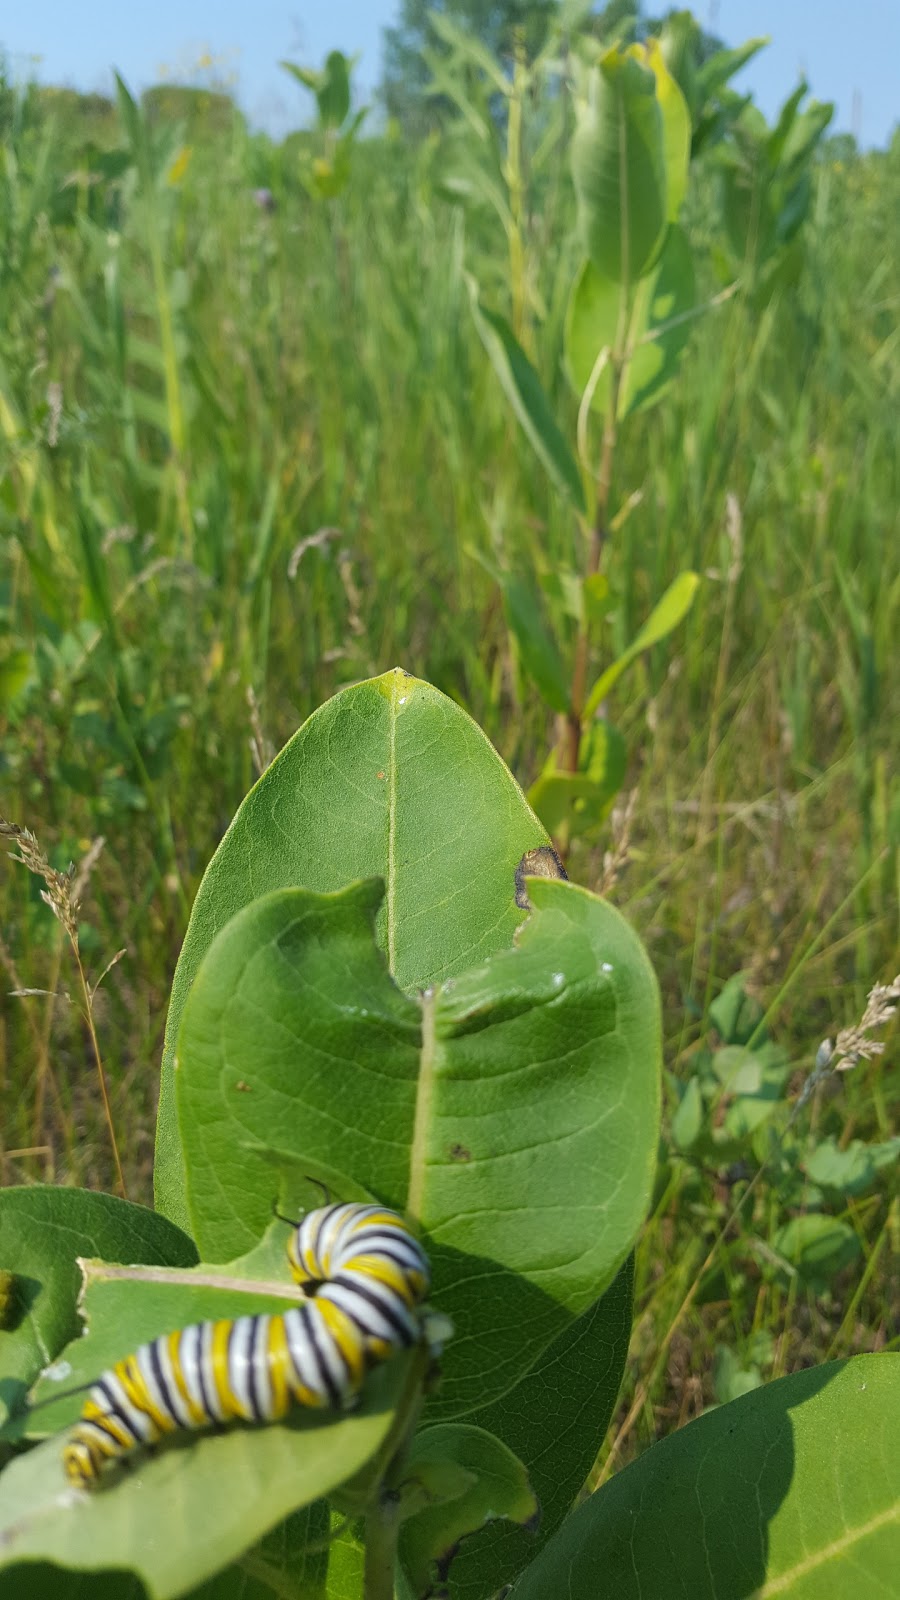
[424, 1098]
[838, 1547]
[392, 829]
[185, 1279]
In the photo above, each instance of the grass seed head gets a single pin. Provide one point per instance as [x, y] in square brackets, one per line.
[853, 1044]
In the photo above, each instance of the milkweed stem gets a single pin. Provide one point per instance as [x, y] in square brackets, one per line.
[383, 1514]
[382, 1530]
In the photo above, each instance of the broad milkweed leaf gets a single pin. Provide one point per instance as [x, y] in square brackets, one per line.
[658, 330]
[676, 121]
[390, 778]
[619, 167]
[482, 1481]
[43, 1231]
[792, 1490]
[447, 1105]
[714, 73]
[231, 1487]
[576, 1382]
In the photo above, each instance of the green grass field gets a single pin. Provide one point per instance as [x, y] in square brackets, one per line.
[250, 454]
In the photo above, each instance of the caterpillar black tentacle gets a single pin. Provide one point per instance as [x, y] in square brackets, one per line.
[365, 1275]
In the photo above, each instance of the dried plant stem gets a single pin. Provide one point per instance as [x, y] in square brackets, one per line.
[261, 749]
[616, 859]
[25, 1153]
[88, 1014]
[44, 1069]
[40, 1035]
[706, 807]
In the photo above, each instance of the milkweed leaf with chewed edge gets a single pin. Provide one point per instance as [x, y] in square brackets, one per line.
[389, 777]
[485, 1483]
[447, 1105]
[43, 1231]
[230, 1487]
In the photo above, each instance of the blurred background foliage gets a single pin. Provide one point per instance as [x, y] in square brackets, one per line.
[253, 447]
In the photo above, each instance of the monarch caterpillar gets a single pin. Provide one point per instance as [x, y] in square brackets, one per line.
[365, 1276]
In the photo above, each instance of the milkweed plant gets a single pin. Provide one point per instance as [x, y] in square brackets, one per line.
[369, 1341]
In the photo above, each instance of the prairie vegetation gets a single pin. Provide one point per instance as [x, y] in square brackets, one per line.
[253, 449]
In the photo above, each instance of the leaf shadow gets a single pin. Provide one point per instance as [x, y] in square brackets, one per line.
[41, 1580]
[503, 1323]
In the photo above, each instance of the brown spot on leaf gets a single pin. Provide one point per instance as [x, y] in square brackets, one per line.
[458, 1152]
[542, 862]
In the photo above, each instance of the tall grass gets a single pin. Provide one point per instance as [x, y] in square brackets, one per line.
[253, 448]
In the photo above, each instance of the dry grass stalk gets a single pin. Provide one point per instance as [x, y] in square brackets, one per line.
[617, 858]
[853, 1045]
[19, 990]
[314, 541]
[62, 893]
[354, 598]
[45, 1151]
[261, 749]
[40, 1037]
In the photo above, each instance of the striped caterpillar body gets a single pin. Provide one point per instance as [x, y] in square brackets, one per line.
[365, 1276]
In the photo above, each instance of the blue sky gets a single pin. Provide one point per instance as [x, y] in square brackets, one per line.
[77, 44]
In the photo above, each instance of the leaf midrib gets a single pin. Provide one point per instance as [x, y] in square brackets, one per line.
[424, 1097]
[390, 884]
[95, 1272]
[838, 1547]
